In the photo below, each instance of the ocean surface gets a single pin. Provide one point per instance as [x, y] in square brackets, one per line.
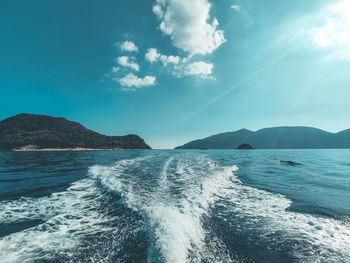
[175, 206]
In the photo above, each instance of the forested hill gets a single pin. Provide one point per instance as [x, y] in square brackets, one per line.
[274, 138]
[51, 132]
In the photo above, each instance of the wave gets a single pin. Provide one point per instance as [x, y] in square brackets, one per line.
[166, 208]
[266, 221]
[173, 202]
[63, 218]
[188, 187]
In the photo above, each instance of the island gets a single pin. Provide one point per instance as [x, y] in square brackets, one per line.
[245, 146]
[33, 132]
[275, 138]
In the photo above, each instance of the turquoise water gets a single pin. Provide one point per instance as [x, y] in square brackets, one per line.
[175, 206]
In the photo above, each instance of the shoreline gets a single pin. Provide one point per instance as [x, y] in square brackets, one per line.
[76, 149]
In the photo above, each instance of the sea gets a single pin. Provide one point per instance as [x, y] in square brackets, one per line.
[175, 206]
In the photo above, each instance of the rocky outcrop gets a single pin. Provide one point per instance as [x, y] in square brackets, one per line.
[245, 146]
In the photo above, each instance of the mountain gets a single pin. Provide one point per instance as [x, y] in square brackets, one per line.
[274, 138]
[52, 132]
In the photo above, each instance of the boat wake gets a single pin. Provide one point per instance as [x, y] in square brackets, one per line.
[173, 203]
[173, 208]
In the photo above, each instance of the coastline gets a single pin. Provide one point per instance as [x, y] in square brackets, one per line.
[76, 149]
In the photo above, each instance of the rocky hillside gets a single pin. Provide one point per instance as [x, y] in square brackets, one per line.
[275, 138]
[52, 132]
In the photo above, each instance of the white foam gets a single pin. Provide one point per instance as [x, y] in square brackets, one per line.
[174, 201]
[315, 239]
[163, 173]
[67, 215]
[180, 229]
[188, 186]
[67, 218]
[175, 218]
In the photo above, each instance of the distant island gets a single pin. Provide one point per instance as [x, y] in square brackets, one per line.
[245, 146]
[32, 132]
[275, 138]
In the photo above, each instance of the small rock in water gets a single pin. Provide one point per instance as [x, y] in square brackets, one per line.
[291, 163]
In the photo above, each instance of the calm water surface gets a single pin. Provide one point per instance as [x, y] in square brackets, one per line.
[175, 206]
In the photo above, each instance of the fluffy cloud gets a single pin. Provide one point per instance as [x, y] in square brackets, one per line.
[235, 7]
[153, 55]
[126, 61]
[183, 66]
[128, 46]
[157, 9]
[189, 25]
[191, 30]
[132, 82]
[169, 60]
[200, 68]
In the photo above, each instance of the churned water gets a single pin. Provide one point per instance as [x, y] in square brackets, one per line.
[175, 206]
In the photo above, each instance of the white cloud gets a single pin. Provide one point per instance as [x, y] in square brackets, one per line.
[129, 46]
[191, 29]
[115, 69]
[200, 68]
[169, 60]
[182, 66]
[157, 9]
[132, 82]
[126, 61]
[152, 55]
[189, 25]
[235, 7]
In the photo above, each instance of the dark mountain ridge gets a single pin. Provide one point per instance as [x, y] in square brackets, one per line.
[275, 138]
[56, 132]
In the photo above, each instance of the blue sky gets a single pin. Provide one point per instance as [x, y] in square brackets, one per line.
[177, 70]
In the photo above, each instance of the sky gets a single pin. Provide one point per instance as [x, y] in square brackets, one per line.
[173, 71]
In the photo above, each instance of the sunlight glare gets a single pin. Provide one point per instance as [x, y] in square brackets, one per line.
[334, 33]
